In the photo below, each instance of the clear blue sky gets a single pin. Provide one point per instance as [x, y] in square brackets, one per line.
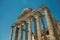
[11, 9]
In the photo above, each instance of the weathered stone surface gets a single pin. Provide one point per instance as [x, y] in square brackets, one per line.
[50, 33]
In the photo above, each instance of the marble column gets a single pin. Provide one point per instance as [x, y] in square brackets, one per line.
[38, 28]
[50, 24]
[21, 32]
[29, 29]
[11, 33]
[35, 30]
[16, 34]
[43, 28]
[26, 36]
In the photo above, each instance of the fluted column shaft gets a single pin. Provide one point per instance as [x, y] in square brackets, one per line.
[21, 32]
[16, 34]
[26, 38]
[38, 28]
[50, 25]
[30, 30]
[11, 33]
[44, 32]
[35, 30]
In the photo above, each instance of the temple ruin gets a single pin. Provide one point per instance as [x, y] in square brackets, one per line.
[52, 32]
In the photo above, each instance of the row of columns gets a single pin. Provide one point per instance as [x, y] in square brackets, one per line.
[29, 33]
[16, 33]
[37, 31]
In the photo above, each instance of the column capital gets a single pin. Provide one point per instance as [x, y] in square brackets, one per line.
[15, 25]
[39, 14]
[30, 18]
[24, 23]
